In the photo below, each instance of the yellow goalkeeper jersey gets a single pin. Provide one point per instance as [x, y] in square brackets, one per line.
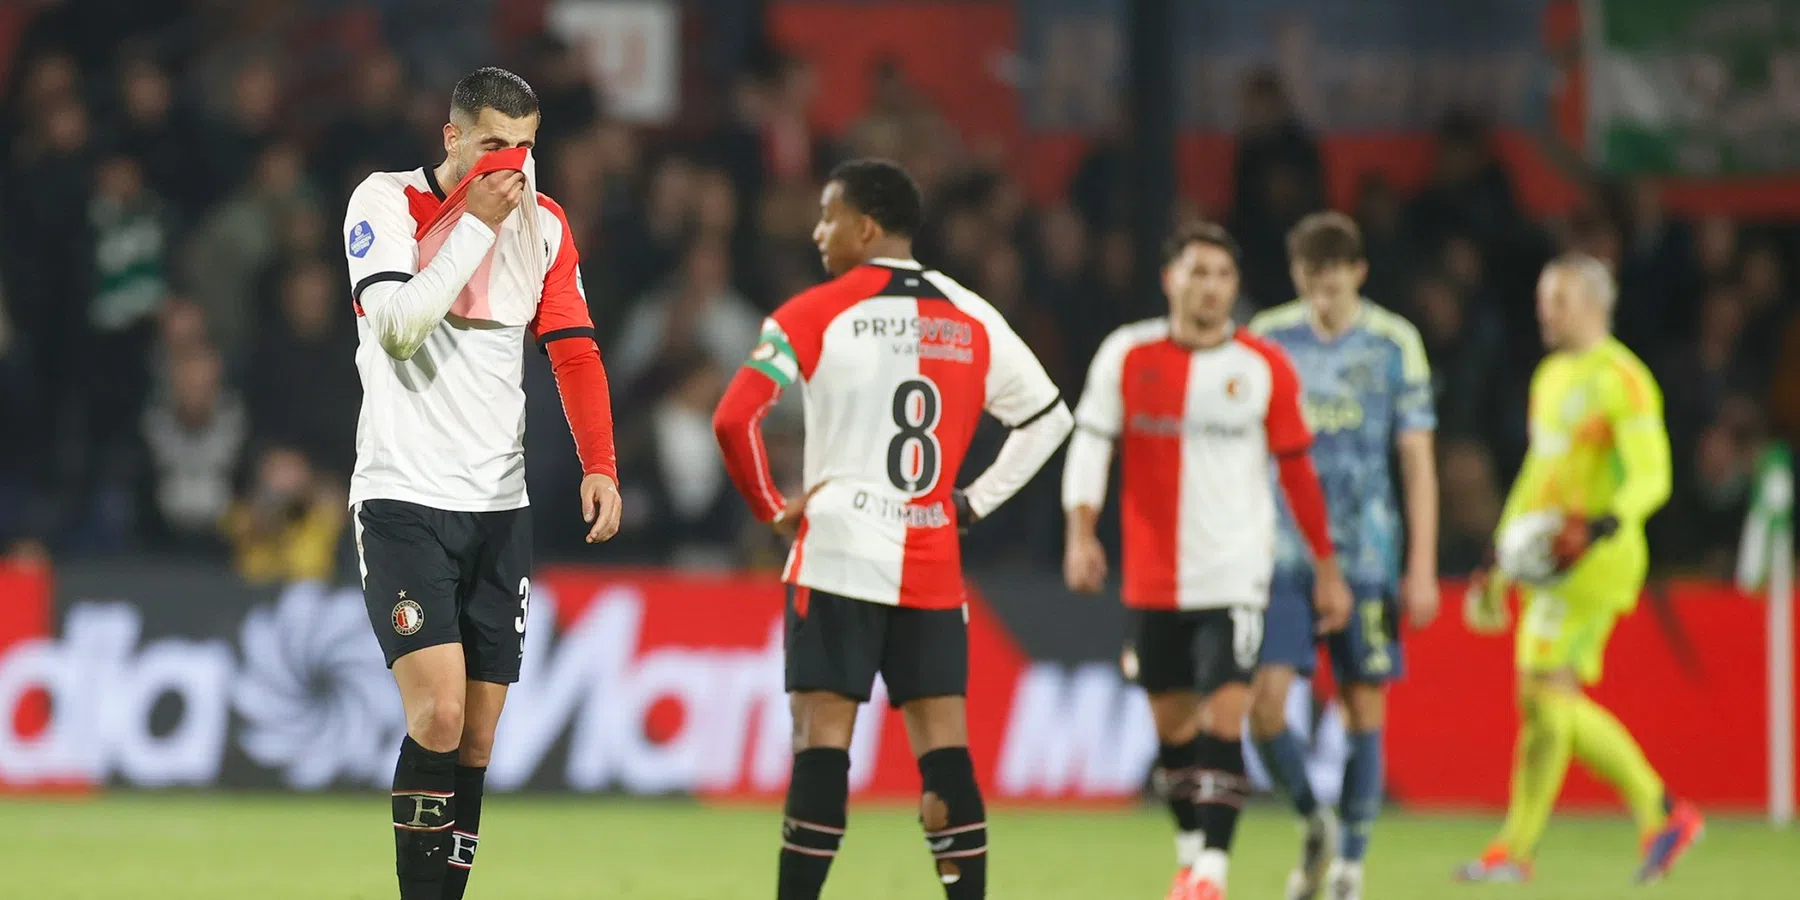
[1598, 447]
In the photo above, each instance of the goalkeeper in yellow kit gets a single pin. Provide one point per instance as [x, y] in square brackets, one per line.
[1572, 536]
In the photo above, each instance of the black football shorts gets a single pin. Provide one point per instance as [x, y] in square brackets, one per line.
[433, 577]
[838, 644]
[1197, 649]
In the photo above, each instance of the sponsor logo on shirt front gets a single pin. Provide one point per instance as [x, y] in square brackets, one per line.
[1174, 426]
[926, 337]
[362, 237]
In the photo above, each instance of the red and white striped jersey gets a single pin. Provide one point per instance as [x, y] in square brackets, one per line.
[896, 364]
[1197, 431]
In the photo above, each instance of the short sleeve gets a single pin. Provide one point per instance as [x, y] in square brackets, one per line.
[1414, 409]
[1018, 388]
[1101, 410]
[378, 235]
[563, 310]
[1284, 421]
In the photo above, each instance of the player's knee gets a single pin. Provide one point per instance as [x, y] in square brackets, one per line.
[437, 722]
[476, 750]
[822, 720]
[1268, 718]
[949, 794]
[1365, 706]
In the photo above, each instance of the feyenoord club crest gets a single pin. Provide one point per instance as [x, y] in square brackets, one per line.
[408, 617]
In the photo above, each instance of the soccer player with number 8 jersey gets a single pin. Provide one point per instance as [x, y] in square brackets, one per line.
[896, 364]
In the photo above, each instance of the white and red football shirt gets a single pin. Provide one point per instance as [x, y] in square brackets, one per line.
[896, 364]
[1196, 432]
[445, 427]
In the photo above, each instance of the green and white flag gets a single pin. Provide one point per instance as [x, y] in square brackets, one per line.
[1769, 529]
[1699, 88]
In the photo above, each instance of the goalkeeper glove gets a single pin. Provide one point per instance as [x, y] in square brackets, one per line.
[1578, 534]
[1484, 604]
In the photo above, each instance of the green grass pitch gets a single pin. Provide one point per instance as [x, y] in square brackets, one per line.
[200, 847]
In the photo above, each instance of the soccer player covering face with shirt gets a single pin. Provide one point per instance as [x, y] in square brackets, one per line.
[1198, 409]
[447, 286]
[896, 364]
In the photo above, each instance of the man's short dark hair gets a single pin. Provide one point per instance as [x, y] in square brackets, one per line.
[1211, 234]
[494, 88]
[884, 192]
[1324, 239]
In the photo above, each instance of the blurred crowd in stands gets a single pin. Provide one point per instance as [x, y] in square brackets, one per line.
[176, 339]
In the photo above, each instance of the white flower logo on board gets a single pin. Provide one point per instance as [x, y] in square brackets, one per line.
[316, 700]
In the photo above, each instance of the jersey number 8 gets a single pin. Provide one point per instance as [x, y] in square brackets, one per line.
[913, 455]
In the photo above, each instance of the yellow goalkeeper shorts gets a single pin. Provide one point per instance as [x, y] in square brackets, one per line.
[1556, 632]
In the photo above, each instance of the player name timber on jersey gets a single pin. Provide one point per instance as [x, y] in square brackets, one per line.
[1359, 389]
[444, 426]
[1196, 431]
[896, 364]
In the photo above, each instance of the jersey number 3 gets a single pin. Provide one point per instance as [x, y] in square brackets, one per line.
[913, 456]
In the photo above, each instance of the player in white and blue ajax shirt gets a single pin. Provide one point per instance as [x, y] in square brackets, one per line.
[1366, 392]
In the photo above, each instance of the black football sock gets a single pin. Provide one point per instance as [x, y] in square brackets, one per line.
[1219, 790]
[955, 822]
[1176, 768]
[469, 782]
[817, 797]
[424, 814]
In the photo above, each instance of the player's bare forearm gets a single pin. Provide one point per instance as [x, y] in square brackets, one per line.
[1419, 485]
[1082, 521]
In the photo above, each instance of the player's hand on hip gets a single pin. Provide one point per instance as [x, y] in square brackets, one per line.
[1331, 596]
[788, 523]
[1419, 597]
[600, 507]
[1084, 563]
[493, 197]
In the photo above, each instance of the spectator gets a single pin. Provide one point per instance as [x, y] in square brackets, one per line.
[697, 310]
[649, 243]
[1276, 179]
[1469, 505]
[303, 389]
[1462, 343]
[372, 134]
[238, 239]
[1767, 306]
[249, 129]
[692, 515]
[566, 97]
[288, 526]
[1700, 375]
[130, 237]
[1470, 191]
[160, 135]
[1390, 249]
[195, 436]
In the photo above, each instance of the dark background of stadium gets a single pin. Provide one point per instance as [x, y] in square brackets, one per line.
[175, 339]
